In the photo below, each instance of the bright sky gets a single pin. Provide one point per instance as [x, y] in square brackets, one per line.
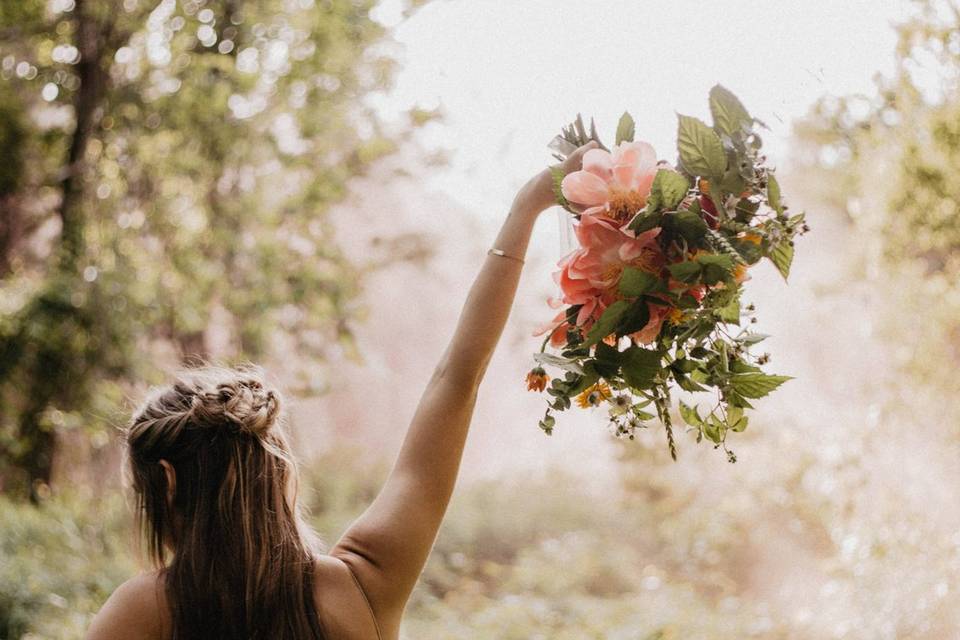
[509, 74]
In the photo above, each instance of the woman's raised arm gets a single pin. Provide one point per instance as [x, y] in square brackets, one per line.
[388, 545]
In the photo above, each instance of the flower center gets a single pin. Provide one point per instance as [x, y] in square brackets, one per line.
[624, 204]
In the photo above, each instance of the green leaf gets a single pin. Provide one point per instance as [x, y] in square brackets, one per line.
[640, 366]
[645, 220]
[625, 129]
[690, 415]
[606, 362]
[773, 193]
[730, 312]
[607, 322]
[713, 429]
[736, 421]
[701, 152]
[782, 258]
[754, 338]
[733, 182]
[716, 267]
[756, 385]
[567, 364]
[557, 174]
[687, 271]
[751, 252]
[669, 188]
[547, 424]
[686, 223]
[729, 114]
[636, 282]
[580, 383]
[688, 383]
[636, 318]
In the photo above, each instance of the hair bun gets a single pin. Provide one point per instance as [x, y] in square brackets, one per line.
[242, 402]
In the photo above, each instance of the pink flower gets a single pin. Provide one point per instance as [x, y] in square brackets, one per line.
[589, 275]
[615, 185]
[650, 331]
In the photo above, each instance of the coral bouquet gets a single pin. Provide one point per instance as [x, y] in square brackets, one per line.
[651, 297]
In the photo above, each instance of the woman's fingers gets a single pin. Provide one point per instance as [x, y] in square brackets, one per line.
[575, 160]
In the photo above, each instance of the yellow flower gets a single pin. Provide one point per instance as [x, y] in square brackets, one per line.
[594, 395]
[675, 316]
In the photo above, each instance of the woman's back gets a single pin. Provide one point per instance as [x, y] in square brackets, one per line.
[144, 609]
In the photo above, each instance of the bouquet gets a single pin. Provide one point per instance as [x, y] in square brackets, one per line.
[650, 299]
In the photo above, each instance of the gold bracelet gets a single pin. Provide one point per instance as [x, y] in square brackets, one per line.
[500, 252]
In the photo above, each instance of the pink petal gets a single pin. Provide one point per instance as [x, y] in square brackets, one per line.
[643, 182]
[639, 154]
[543, 328]
[584, 187]
[598, 162]
[651, 330]
[586, 311]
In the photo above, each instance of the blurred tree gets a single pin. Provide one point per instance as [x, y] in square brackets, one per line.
[166, 170]
[892, 161]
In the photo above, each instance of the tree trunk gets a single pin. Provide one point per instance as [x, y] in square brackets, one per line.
[48, 372]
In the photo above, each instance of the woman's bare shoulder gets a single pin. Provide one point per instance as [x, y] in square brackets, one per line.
[341, 603]
[136, 609]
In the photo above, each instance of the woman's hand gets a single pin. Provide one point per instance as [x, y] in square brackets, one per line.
[537, 194]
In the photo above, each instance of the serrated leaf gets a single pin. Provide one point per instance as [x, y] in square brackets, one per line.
[669, 188]
[716, 267]
[782, 258]
[636, 318]
[636, 282]
[557, 174]
[607, 322]
[756, 385]
[729, 114]
[687, 271]
[625, 128]
[645, 220]
[730, 312]
[773, 193]
[606, 361]
[713, 429]
[701, 151]
[690, 415]
[640, 366]
[687, 224]
[567, 364]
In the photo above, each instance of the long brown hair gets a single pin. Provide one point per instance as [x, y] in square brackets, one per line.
[242, 562]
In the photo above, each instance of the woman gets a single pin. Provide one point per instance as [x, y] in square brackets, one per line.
[216, 488]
